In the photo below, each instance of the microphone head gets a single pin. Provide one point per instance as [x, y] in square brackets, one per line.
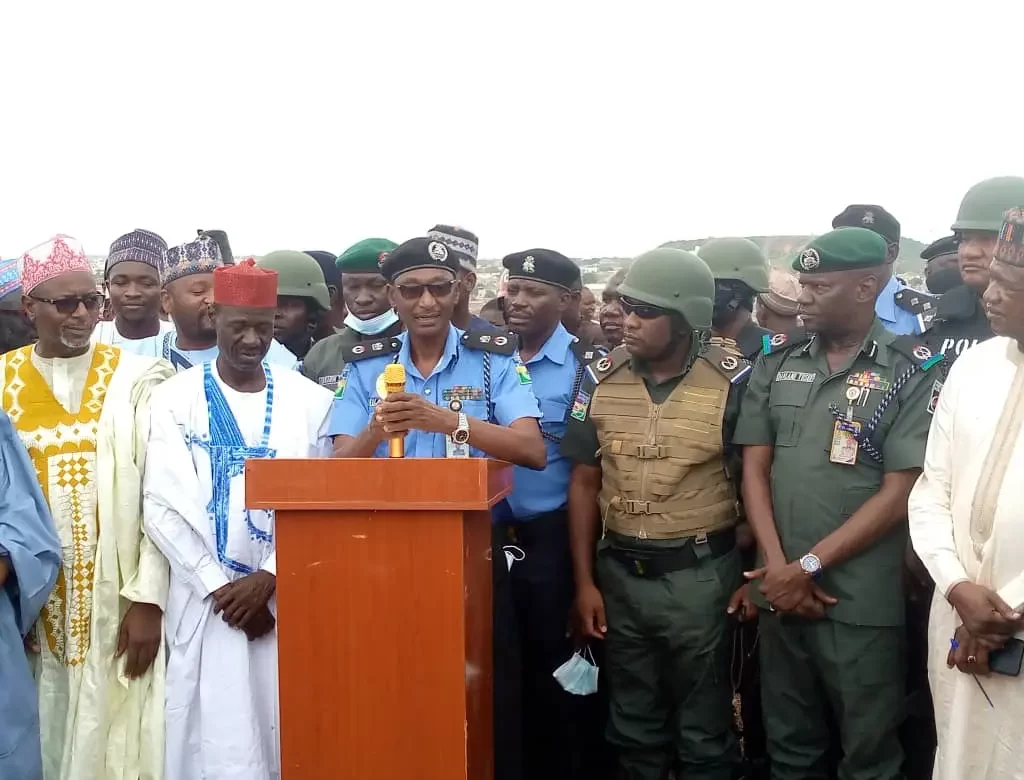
[394, 374]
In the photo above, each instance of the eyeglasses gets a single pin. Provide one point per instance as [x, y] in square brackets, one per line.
[69, 305]
[642, 310]
[413, 292]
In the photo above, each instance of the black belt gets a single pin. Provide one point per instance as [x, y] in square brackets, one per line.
[652, 563]
[538, 529]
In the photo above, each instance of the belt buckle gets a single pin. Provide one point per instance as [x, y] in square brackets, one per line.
[634, 507]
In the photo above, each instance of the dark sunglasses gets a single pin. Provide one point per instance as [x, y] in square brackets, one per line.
[92, 301]
[642, 310]
[413, 292]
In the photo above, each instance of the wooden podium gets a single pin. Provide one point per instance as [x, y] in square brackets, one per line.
[383, 614]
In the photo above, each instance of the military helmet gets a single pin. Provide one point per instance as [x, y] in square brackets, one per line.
[298, 275]
[673, 279]
[985, 203]
[737, 258]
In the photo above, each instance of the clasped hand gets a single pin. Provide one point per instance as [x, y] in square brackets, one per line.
[788, 588]
[243, 603]
[403, 412]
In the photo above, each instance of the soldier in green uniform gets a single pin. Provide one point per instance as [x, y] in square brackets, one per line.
[302, 298]
[370, 314]
[741, 273]
[834, 425]
[648, 435]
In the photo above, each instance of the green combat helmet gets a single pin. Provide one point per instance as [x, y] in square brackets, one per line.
[298, 276]
[673, 279]
[985, 203]
[737, 258]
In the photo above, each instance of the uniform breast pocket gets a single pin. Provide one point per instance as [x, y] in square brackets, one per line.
[476, 409]
[787, 404]
[553, 414]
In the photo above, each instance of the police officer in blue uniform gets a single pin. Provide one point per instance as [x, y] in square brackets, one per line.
[533, 524]
[468, 395]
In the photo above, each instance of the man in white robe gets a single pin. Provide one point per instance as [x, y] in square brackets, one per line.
[82, 412]
[222, 702]
[967, 527]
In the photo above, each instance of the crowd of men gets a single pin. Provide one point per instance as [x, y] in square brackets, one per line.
[719, 471]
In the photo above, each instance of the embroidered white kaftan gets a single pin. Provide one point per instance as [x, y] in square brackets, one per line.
[967, 523]
[85, 423]
[222, 703]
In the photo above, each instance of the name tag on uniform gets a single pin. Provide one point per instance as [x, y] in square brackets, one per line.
[795, 376]
[844, 442]
[453, 450]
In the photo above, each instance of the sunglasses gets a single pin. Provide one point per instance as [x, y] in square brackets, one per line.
[642, 310]
[413, 292]
[91, 301]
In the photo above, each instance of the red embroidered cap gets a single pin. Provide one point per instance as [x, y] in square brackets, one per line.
[245, 284]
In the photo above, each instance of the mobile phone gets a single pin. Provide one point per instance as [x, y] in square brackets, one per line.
[1007, 659]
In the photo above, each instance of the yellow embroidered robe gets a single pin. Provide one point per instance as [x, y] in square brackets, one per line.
[94, 722]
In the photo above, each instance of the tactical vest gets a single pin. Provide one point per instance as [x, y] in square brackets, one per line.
[663, 470]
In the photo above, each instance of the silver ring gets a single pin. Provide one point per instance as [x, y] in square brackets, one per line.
[971, 659]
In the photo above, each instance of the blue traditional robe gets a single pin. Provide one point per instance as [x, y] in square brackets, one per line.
[31, 550]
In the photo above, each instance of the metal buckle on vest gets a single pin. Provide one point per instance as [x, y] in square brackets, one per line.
[633, 507]
[701, 538]
[648, 451]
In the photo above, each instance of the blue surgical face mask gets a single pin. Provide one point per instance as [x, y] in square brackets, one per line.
[578, 675]
[373, 326]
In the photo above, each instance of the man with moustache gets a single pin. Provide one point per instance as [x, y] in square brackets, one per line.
[556, 722]
[82, 412]
[965, 523]
[652, 493]
[302, 298]
[370, 313]
[845, 409]
[132, 278]
[222, 704]
[959, 320]
[186, 275]
[611, 316]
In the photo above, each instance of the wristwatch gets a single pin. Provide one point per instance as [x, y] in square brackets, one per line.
[811, 565]
[461, 433]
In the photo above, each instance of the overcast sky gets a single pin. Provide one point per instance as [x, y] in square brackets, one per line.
[552, 124]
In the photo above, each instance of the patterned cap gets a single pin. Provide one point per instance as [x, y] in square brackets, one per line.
[464, 244]
[201, 256]
[60, 255]
[245, 284]
[1010, 246]
[10, 284]
[139, 246]
[783, 291]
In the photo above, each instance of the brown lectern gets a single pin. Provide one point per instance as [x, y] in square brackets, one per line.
[384, 614]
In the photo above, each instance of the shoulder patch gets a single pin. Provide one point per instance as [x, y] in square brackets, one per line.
[777, 342]
[586, 352]
[727, 360]
[369, 349]
[914, 301]
[913, 349]
[497, 341]
[605, 366]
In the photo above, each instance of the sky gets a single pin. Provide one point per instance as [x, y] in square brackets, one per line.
[594, 128]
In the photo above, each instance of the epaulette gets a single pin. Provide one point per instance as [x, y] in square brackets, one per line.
[777, 342]
[369, 349]
[605, 366]
[727, 360]
[498, 341]
[586, 352]
[912, 348]
[921, 305]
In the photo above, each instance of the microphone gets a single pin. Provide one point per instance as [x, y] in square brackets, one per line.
[394, 382]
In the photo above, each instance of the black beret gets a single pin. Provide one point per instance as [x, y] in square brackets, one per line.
[944, 246]
[418, 253]
[543, 265]
[328, 265]
[874, 218]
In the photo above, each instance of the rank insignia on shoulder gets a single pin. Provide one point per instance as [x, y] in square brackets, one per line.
[584, 351]
[731, 366]
[369, 349]
[779, 341]
[606, 365]
[910, 347]
[500, 342]
[933, 399]
[914, 301]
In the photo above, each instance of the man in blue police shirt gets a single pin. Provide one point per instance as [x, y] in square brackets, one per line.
[533, 519]
[894, 310]
[469, 396]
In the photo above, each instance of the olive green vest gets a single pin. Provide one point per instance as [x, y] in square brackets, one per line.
[663, 470]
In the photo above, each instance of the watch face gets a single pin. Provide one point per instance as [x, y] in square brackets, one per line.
[460, 437]
[810, 564]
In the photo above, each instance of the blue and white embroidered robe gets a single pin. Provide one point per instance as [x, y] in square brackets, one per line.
[222, 714]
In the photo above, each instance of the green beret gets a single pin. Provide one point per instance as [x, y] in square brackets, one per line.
[845, 249]
[364, 257]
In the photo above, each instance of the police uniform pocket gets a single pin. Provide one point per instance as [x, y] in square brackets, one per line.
[786, 404]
